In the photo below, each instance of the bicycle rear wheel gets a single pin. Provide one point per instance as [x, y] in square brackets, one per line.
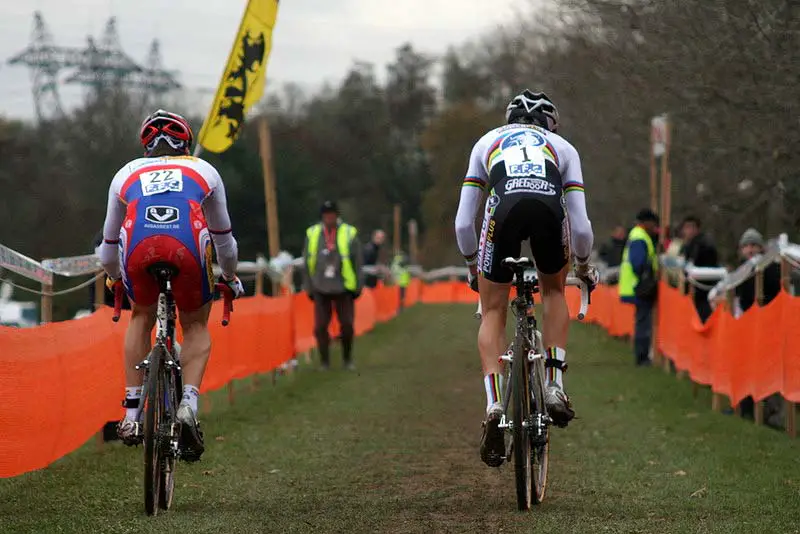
[520, 420]
[539, 435]
[153, 410]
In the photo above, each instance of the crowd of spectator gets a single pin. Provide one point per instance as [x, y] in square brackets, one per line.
[634, 253]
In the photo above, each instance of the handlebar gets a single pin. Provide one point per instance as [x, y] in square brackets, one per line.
[118, 292]
[586, 297]
[227, 295]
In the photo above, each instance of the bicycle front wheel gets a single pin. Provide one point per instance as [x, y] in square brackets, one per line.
[539, 434]
[169, 431]
[520, 421]
[153, 410]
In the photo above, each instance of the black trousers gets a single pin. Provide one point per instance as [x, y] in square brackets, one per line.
[643, 332]
[323, 312]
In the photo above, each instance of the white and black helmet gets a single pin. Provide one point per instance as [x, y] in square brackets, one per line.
[533, 108]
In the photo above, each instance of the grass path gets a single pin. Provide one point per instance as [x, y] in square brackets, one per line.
[393, 448]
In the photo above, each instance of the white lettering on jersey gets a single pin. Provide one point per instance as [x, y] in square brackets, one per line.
[161, 181]
[529, 185]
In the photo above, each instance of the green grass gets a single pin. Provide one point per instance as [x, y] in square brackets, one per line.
[394, 448]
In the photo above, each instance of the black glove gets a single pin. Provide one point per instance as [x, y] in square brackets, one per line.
[472, 280]
[310, 295]
[356, 293]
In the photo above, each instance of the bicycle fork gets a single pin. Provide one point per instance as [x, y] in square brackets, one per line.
[538, 421]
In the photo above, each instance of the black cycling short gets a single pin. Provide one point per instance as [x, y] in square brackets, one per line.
[518, 209]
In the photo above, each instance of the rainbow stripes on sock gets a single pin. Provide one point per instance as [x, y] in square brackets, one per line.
[550, 352]
[494, 384]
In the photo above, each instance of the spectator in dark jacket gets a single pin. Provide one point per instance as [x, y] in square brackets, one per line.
[611, 251]
[372, 251]
[751, 244]
[699, 250]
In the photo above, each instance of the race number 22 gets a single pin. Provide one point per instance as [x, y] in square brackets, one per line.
[161, 181]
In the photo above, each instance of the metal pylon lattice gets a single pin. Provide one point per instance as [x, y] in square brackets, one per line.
[101, 64]
[45, 60]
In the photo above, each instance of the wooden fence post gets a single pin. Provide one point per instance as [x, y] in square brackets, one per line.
[758, 406]
[790, 407]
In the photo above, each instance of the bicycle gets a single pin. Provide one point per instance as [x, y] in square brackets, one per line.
[162, 391]
[525, 385]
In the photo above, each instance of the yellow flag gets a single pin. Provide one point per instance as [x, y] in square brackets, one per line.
[245, 76]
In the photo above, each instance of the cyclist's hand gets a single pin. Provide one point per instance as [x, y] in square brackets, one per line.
[472, 277]
[112, 282]
[588, 274]
[235, 284]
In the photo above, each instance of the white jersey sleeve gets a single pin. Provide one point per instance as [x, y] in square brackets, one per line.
[108, 250]
[215, 208]
[572, 182]
[471, 192]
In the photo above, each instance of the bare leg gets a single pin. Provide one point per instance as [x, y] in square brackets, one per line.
[196, 346]
[492, 333]
[491, 344]
[137, 341]
[556, 327]
[556, 313]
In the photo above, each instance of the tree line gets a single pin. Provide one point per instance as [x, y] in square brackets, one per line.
[723, 70]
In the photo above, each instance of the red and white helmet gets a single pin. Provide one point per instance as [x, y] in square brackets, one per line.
[170, 127]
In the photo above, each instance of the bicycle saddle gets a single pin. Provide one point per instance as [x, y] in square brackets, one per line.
[517, 263]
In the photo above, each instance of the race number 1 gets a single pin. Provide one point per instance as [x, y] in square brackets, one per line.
[525, 160]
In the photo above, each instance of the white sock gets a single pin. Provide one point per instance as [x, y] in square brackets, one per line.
[134, 392]
[553, 374]
[190, 396]
[493, 384]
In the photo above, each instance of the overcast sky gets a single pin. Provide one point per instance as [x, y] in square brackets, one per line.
[314, 40]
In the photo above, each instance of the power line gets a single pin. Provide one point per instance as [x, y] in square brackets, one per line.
[100, 65]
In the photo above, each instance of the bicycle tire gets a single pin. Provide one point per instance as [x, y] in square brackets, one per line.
[168, 422]
[540, 452]
[152, 415]
[521, 414]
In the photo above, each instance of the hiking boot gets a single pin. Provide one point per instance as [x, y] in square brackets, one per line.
[191, 440]
[559, 407]
[493, 447]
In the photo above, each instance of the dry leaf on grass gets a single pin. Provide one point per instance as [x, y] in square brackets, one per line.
[699, 493]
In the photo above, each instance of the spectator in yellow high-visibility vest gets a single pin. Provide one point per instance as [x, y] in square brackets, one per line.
[401, 275]
[332, 257]
[638, 282]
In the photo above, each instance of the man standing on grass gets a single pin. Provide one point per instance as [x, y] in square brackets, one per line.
[638, 283]
[332, 257]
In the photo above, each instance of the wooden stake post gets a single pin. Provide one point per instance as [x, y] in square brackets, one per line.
[790, 407]
[397, 235]
[270, 200]
[412, 242]
[758, 406]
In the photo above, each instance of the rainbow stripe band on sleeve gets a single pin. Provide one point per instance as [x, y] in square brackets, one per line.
[570, 187]
[474, 181]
